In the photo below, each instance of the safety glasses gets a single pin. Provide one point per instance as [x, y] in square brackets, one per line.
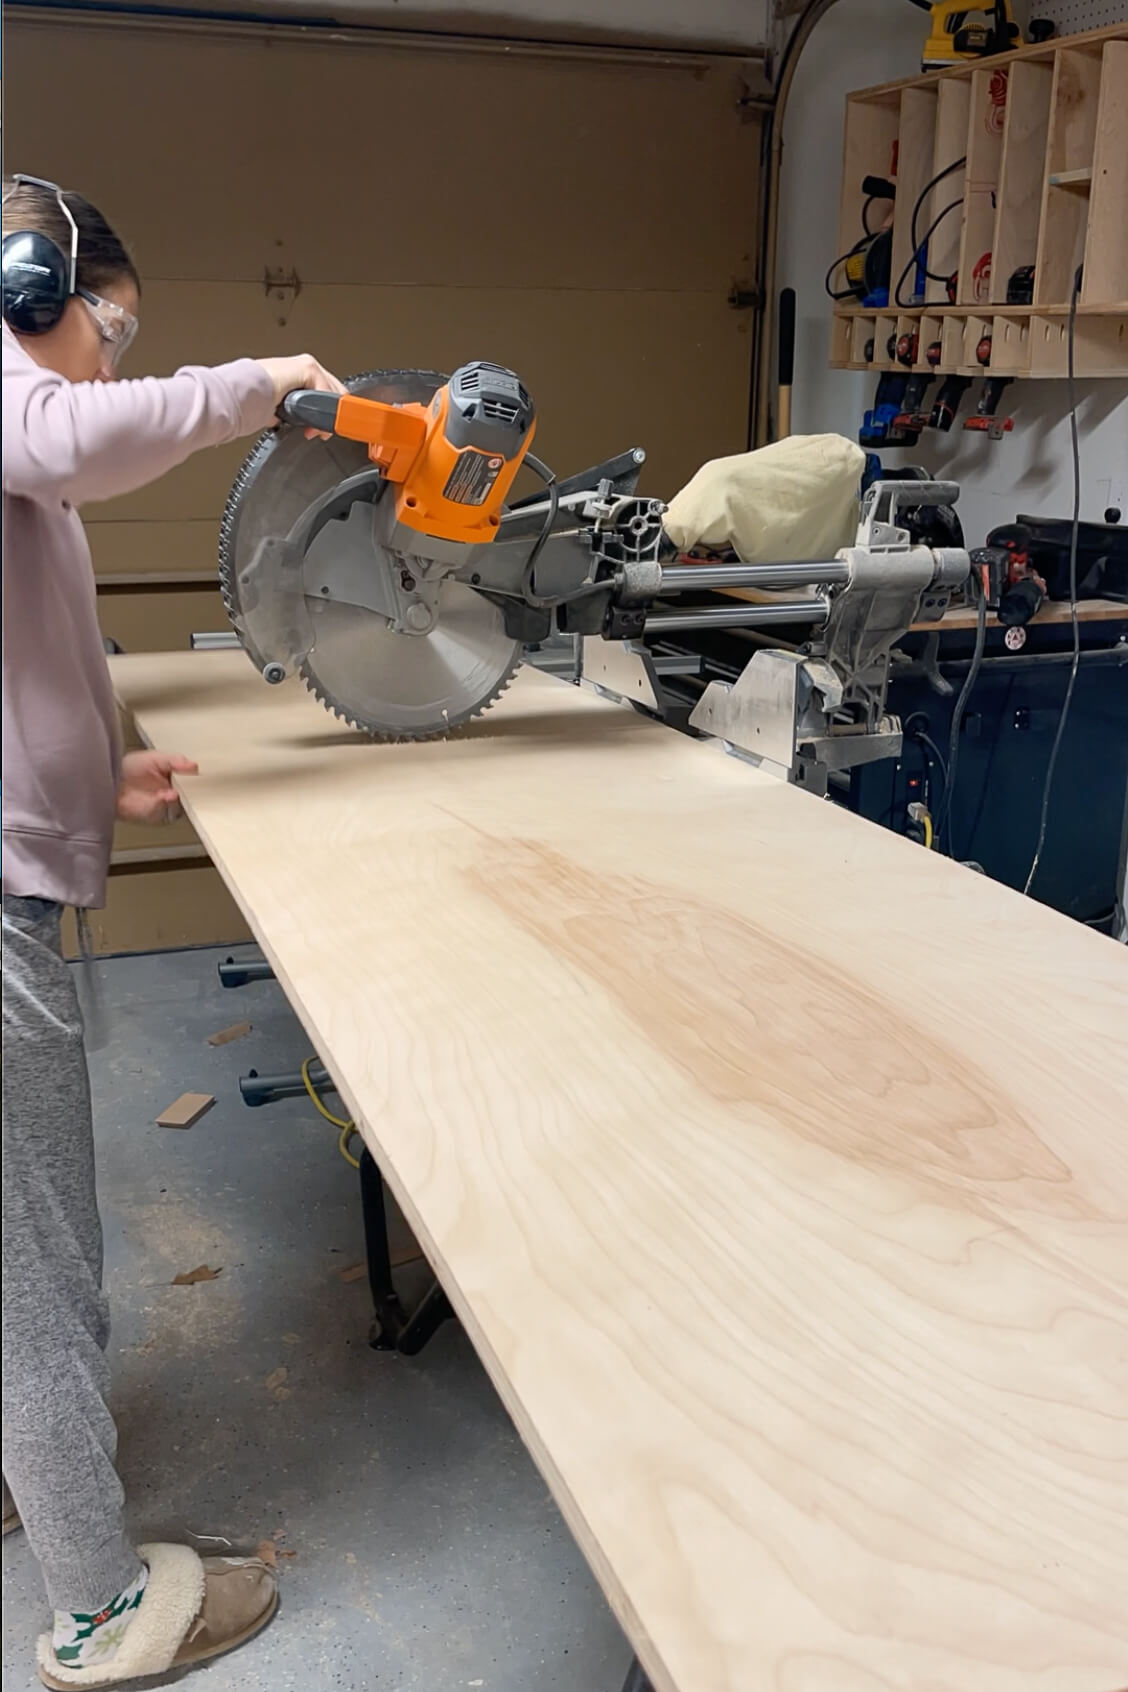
[117, 327]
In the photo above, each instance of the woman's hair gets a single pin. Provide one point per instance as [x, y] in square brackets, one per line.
[102, 256]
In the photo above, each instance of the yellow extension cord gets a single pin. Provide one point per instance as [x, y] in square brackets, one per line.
[348, 1128]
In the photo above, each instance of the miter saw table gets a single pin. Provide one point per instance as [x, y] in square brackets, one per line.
[584, 985]
[370, 545]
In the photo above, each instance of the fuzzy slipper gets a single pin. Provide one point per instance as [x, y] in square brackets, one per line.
[192, 1608]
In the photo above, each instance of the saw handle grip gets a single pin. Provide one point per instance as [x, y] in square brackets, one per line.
[309, 409]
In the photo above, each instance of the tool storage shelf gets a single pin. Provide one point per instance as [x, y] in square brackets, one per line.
[1043, 136]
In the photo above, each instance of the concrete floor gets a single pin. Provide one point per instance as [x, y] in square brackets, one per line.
[418, 1546]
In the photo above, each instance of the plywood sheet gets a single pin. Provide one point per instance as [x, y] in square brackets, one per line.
[775, 1166]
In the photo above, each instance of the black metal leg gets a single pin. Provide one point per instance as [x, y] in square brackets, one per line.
[259, 1089]
[393, 1329]
[637, 1679]
[237, 974]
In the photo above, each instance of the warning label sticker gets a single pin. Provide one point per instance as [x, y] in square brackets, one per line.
[473, 476]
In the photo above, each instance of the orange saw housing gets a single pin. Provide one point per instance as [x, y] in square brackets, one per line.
[453, 461]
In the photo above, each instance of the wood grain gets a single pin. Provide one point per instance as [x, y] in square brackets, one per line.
[1021, 173]
[776, 1168]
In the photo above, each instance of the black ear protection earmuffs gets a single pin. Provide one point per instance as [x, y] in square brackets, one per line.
[38, 277]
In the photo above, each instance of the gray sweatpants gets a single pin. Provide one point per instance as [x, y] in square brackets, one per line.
[59, 1437]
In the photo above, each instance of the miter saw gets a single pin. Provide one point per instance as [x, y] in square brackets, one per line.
[384, 561]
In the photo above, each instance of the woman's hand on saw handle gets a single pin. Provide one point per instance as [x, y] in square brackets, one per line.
[300, 372]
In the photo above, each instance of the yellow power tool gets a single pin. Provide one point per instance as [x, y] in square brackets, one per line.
[961, 32]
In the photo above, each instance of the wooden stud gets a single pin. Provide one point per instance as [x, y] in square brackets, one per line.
[1073, 126]
[914, 153]
[953, 106]
[1106, 248]
[984, 158]
[1020, 175]
[1010, 344]
[867, 150]
[1069, 154]
[952, 341]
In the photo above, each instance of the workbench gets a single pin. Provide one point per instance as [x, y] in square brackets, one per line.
[776, 1168]
[1008, 728]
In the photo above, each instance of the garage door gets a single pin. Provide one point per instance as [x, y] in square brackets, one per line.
[584, 216]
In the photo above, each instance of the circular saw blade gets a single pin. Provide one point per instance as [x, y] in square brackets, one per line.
[393, 686]
[411, 687]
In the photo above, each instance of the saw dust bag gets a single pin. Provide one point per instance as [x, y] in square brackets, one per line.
[796, 499]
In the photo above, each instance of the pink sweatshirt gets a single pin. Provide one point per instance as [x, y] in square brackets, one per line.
[63, 444]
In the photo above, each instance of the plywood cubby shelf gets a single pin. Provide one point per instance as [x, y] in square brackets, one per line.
[1034, 150]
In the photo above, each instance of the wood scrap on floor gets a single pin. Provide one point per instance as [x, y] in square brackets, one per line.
[237, 1031]
[398, 1258]
[191, 1277]
[275, 1383]
[185, 1110]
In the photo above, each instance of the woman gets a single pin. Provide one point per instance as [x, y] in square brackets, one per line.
[71, 433]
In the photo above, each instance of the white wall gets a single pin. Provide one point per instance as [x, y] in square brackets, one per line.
[860, 43]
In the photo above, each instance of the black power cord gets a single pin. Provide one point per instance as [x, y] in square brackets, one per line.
[548, 477]
[914, 257]
[920, 242]
[915, 729]
[528, 590]
[945, 828]
[1074, 540]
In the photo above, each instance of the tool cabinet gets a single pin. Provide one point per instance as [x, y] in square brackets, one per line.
[1043, 133]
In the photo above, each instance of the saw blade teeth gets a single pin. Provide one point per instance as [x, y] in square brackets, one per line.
[385, 736]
